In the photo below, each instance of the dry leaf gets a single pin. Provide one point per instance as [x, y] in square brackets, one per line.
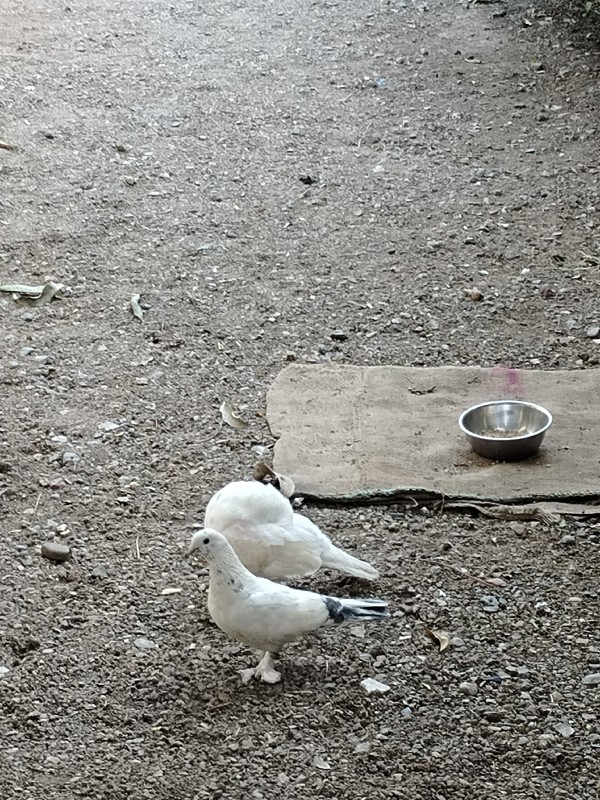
[230, 416]
[264, 474]
[136, 307]
[441, 637]
[50, 291]
[21, 288]
[34, 295]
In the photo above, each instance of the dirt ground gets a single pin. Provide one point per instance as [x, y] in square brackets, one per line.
[263, 175]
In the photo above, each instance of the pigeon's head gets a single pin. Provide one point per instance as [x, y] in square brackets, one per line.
[207, 542]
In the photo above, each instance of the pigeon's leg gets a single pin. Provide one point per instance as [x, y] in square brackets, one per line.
[264, 670]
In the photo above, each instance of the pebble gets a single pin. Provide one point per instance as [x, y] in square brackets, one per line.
[568, 540]
[99, 571]
[593, 679]
[69, 457]
[55, 551]
[546, 739]
[490, 603]
[494, 716]
[521, 671]
[370, 685]
[4, 671]
[108, 426]
[473, 294]
[468, 688]
[339, 336]
[564, 729]
[144, 644]
[518, 528]
[593, 332]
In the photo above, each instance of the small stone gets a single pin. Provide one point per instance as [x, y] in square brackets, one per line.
[108, 426]
[518, 528]
[120, 148]
[537, 66]
[338, 336]
[564, 729]
[362, 747]
[593, 679]
[69, 457]
[494, 716]
[370, 685]
[26, 351]
[546, 739]
[99, 571]
[130, 180]
[144, 644]
[55, 551]
[468, 688]
[290, 356]
[4, 671]
[474, 294]
[593, 331]
[490, 603]
[568, 540]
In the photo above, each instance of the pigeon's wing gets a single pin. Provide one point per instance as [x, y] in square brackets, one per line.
[249, 502]
[273, 615]
[272, 551]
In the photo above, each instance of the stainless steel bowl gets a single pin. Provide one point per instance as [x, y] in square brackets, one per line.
[505, 430]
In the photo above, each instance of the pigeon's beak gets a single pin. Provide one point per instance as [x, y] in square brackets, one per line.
[194, 544]
[189, 550]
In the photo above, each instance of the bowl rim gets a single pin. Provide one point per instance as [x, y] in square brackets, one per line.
[513, 402]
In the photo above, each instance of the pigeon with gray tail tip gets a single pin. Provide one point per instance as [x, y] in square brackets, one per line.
[265, 615]
[273, 541]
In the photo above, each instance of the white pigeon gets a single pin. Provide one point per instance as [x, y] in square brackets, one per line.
[267, 615]
[270, 539]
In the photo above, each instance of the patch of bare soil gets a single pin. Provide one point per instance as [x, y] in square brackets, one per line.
[375, 183]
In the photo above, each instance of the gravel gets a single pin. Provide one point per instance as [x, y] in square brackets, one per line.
[354, 183]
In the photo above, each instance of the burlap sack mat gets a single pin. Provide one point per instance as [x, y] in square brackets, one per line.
[369, 433]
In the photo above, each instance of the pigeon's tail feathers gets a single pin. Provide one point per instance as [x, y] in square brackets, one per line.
[334, 558]
[347, 610]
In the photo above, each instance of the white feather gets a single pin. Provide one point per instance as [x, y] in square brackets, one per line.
[266, 615]
[270, 539]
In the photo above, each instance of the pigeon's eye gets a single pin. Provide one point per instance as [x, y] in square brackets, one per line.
[207, 540]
